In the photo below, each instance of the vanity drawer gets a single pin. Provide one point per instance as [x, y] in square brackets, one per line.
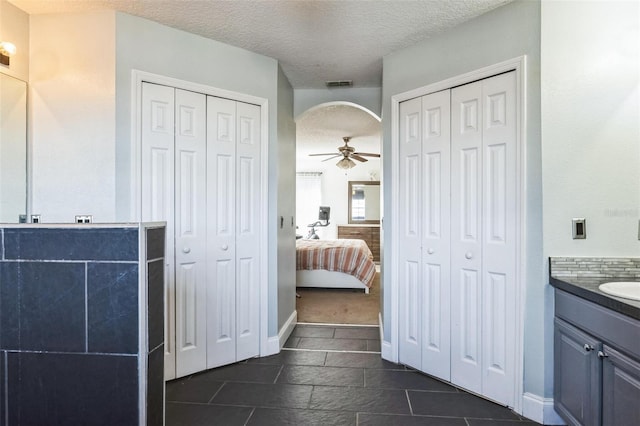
[616, 329]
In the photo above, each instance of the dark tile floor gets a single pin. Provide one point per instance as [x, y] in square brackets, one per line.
[326, 375]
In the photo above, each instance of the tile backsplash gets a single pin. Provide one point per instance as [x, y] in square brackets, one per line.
[595, 268]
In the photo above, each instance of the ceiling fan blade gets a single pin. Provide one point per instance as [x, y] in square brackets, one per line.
[331, 158]
[366, 154]
[315, 155]
[357, 157]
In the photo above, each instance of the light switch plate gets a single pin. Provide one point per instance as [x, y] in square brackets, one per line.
[579, 227]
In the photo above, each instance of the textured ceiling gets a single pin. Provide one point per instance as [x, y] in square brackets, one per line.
[321, 130]
[314, 41]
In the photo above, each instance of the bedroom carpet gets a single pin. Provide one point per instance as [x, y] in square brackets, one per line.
[339, 306]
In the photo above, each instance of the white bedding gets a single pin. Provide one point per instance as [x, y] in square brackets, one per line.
[322, 278]
[343, 263]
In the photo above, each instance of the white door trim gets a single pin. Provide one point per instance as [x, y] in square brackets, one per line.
[137, 78]
[517, 64]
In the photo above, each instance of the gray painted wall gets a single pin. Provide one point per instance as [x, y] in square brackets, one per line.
[504, 33]
[590, 104]
[591, 133]
[286, 201]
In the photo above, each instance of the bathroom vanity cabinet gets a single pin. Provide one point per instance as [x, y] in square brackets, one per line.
[597, 363]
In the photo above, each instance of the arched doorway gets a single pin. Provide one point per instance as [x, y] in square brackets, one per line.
[320, 182]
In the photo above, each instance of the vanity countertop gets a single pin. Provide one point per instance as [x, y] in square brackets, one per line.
[588, 289]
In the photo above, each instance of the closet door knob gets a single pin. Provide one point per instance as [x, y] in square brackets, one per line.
[186, 250]
[225, 247]
[431, 251]
[468, 255]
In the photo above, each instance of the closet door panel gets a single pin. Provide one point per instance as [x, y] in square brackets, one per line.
[221, 330]
[409, 240]
[221, 231]
[499, 235]
[436, 151]
[466, 237]
[157, 191]
[190, 232]
[247, 231]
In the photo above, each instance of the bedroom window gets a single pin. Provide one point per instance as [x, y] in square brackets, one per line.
[308, 199]
[357, 205]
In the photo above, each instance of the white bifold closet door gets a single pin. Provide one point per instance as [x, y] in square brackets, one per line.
[425, 243]
[200, 174]
[457, 254]
[173, 190]
[233, 194]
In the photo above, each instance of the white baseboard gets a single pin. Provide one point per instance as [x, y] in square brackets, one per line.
[386, 352]
[539, 409]
[287, 328]
[275, 343]
[273, 346]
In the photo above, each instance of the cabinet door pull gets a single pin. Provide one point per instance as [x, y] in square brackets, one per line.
[602, 355]
[587, 347]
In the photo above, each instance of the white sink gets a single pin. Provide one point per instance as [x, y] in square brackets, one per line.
[625, 289]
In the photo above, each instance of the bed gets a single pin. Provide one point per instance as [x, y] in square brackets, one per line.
[345, 263]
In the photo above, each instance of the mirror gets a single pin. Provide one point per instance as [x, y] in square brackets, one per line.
[364, 201]
[13, 149]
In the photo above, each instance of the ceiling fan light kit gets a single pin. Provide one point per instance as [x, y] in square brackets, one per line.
[348, 152]
[346, 163]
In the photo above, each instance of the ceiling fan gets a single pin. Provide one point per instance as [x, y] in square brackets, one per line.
[347, 153]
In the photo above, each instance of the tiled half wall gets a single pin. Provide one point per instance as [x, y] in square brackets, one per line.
[81, 324]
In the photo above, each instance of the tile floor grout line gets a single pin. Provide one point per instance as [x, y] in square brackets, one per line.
[217, 392]
[406, 392]
[250, 415]
[278, 375]
[329, 350]
[313, 387]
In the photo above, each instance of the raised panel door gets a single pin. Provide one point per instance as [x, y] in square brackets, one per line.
[466, 237]
[435, 234]
[499, 228]
[157, 192]
[577, 377]
[233, 202]
[221, 231]
[409, 239]
[620, 389]
[247, 231]
[190, 232]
